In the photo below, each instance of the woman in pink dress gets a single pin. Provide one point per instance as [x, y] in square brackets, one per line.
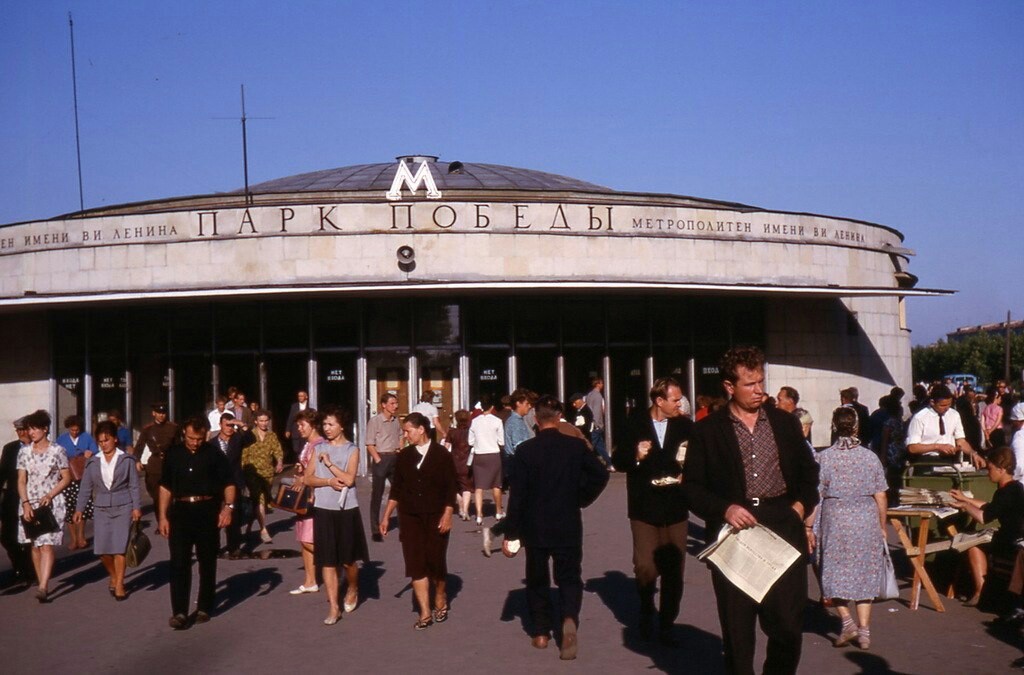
[992, 418]
[308, 423]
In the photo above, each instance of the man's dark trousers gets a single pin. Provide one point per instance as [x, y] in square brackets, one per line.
[567, 563]
[781, 612]
[382, 470]
[193, 525]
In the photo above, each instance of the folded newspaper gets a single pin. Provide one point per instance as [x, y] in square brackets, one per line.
[751, 559]
[966, 540]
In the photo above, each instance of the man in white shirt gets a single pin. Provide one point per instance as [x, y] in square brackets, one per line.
[937, 432]
[427, 408]
[1017, 420]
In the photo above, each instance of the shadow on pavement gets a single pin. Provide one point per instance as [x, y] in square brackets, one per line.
[149, 578]
[369, 579]
[79, 579]
[516, 606]
[239, 587]
[871, 664]
[699, 651]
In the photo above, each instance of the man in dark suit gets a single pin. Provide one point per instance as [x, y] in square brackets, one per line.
[745, 465]
[230, 441]
[291, 431]
[20, 554]
[651, 457]
[554, 476]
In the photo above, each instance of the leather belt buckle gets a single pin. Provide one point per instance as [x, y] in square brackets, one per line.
[755, 501]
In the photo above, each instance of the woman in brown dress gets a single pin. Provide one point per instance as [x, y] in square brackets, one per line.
[457, 441]
[423, 490]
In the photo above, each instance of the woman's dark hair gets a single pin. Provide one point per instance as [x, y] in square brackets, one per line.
[106, 427]
[991, 393]
[417, 420]
[463, 419]
[73, 421]
[844, 421]
[1003, 458]
[342, 415]
[40, 419]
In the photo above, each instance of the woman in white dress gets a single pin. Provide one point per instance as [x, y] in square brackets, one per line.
[42, 476]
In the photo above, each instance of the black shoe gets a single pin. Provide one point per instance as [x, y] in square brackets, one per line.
[377, 537]
[178, 622]
[201, 617]
[235, 554]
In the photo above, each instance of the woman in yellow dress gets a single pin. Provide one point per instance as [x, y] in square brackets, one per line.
[260, 461]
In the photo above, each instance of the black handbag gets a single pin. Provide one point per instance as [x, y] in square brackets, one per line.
[43, 522]
[139, 545]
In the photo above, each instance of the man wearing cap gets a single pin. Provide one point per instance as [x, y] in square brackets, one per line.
[936, 432]
[1017, 422]
[197, 497]
[155, 438]
[20, 554]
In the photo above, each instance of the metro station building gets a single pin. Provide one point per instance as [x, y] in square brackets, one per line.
[457, 277]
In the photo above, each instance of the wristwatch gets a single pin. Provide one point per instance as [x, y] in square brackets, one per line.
[230, 506]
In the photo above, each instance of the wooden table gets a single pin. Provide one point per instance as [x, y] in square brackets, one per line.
[916, 553]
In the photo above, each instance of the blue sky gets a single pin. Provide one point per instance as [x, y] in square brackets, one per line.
[909, 114]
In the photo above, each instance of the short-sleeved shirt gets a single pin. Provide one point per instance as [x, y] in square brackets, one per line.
[203, 473]
[386, 435]
[327, 497]
[595, 401]
[1018, 452]
[428, 410]
[124, 437]
[924, 428]
[77, 446]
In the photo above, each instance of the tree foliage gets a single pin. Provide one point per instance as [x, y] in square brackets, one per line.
[980, 355]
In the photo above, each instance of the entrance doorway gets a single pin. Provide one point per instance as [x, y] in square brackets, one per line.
[438, 379]
[392, 380]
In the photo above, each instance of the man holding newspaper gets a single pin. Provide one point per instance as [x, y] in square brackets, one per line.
[748, 465]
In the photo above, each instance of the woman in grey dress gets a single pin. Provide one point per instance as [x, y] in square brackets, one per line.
[851, 533]
[112, 482]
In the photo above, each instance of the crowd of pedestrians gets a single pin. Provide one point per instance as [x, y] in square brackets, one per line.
[738, 461]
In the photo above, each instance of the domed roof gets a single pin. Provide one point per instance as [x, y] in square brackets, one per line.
[447, 175]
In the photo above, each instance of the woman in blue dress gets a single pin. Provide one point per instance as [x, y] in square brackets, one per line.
[851, 533]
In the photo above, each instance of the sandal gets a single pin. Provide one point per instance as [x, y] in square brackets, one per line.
[441, 614]
[423, 624]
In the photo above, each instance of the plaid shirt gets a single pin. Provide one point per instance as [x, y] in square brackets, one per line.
[760, 457]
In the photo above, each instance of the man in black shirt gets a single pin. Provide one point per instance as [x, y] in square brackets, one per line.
[652, 459]
[197, 497]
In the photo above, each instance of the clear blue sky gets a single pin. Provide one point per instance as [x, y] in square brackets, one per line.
[909, 114]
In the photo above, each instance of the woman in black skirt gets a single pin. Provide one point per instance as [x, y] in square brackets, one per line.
[423, 490]
[337, 525]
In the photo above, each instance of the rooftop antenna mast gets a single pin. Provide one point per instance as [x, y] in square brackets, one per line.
[245, 145]
[74, 89]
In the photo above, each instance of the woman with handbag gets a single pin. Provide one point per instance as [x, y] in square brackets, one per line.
[851, 527]
[79, 447]
[423, 491]
[42, 476]
[308, 424]
[337, 525]
[111, 484]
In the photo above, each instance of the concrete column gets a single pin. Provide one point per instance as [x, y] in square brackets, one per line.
[414, 381]
[311, 374]
[513, 379]
[691, 382]
[172, 399]
[263, 393]
[362, 416]
[606, 368]
[464, 379]
[649, 372]
[560, 378]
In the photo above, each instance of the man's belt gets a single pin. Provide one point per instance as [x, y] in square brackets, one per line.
[768, 501]
[193, 499]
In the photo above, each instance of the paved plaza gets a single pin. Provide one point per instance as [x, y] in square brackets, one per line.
[259, 628]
